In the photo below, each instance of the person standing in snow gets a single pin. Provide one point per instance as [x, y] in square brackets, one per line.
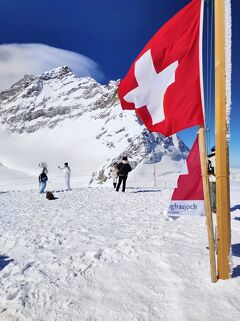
[67, 172]
[114, 173]
[43, 177]
[212, 178]
[123, 169]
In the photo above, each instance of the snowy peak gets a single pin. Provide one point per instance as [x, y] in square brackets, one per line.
[29, 81]
[46, 100]
[59, 72]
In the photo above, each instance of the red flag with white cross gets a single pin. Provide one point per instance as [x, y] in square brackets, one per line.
[163, 83]
[187, 198]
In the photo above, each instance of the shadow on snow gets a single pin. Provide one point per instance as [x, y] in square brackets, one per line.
[236, 252]
[4, 261]
[147, 191]
[236, 271]
[236, 249]
[234, 208]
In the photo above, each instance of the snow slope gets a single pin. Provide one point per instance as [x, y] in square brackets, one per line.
[95, 254]
[13, 179]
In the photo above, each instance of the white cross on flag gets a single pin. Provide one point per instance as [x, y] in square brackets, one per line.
[163, 83]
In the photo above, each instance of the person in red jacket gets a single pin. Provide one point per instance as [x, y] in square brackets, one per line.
[123, 169]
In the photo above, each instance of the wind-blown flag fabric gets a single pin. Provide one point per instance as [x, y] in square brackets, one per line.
[163, 83]
[188, 198]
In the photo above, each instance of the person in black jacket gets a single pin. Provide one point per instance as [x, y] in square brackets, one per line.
[212, 178]
[43, 180]
[123, 169]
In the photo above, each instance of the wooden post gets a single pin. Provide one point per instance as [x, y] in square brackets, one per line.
[222, 166]
[207, 204]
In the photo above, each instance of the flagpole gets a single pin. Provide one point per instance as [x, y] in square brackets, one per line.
[207, 203]
[222, 157]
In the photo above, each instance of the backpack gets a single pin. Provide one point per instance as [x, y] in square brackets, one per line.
[50, 196]
[43, 177]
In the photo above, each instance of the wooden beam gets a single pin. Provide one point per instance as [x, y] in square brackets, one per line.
[222, 159]
[207, 204]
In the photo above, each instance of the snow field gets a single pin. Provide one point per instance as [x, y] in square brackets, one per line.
[95, 254]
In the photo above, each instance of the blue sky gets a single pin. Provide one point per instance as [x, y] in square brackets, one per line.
[109, 32]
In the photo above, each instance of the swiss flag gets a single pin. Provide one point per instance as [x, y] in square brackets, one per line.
[190, 185]
[163, 83]
[188, 198]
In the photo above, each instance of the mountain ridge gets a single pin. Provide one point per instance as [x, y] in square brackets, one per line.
[57, 99]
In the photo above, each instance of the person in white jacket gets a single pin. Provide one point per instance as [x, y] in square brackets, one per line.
[113, 173]
[67, 172]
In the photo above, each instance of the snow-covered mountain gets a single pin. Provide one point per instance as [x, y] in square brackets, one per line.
[57, 117]
[41, 101]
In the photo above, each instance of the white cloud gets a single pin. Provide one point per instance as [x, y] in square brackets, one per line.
[17, 60]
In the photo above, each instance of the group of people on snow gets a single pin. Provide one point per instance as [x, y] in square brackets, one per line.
[119, 173]
[43, 178]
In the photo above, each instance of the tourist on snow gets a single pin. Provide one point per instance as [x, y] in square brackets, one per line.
[67, 172]
[43, 177]
[123, 169]
[212, 178]
[114, 173]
